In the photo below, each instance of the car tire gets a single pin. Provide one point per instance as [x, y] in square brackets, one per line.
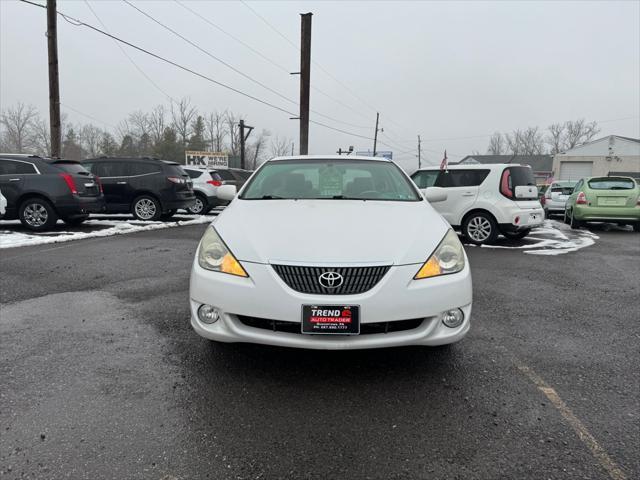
[547, 215]
[37, 214]
[636, 227]
[168, 214]
[573, 223]
[566, 217]
[517, 235]
[146, 208]
[480, 228]
[200, 207]
[75, 220]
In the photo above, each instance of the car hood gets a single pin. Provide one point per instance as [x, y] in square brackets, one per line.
[340, 232]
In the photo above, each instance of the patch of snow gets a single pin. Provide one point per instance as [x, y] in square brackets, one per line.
[103, 227]
[553, 238]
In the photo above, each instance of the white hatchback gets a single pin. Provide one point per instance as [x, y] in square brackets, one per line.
[485, 200]
[330, 253]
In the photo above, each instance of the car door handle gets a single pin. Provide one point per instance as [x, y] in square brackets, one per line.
[14, 179]
[468, 194]
[121, 183]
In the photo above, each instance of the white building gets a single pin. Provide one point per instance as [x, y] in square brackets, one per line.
[608, 156]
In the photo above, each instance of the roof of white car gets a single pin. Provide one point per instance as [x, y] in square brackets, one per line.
[329, 157]
[473, 166]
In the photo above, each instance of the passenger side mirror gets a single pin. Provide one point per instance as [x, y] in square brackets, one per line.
[226, 192]
[434, 194]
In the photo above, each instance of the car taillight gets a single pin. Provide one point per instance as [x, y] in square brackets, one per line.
[68, 179]
[215, 183]
[177, 180]
[582, 199]
[543, 199]
[505, 189]
[99, 184]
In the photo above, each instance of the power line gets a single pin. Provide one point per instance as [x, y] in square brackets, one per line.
[226, 64]
[324, 70]
[79, 23]
[87, 115]
[277, 65]
[142, 72]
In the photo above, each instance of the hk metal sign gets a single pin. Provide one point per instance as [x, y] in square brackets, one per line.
[206, 159]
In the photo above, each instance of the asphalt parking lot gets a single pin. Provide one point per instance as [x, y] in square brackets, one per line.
[102, 376]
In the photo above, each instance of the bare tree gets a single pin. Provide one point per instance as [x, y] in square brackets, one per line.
[140, 124]
[17, 122]
[182, 115]
[256, 150]
[41, 137]
[217, 130]
[157, 124]
[579, 132]
[280, 146]
[556, 137]
[525, 142]
[514, 142]
[90, 138]
[496, 144]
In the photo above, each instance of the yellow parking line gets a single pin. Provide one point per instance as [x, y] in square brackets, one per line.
[583, 434]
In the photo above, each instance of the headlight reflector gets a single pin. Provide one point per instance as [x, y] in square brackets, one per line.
[447, 258]
[214, 255]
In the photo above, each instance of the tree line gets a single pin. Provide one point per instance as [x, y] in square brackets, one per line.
[165, 132]
[558, 137]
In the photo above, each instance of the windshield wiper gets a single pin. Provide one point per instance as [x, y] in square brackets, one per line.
[343, 197]
[271, 197]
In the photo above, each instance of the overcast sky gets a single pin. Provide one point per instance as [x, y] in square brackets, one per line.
[444, 70]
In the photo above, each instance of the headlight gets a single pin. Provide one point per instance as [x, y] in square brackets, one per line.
[214, 255]
[447, 258]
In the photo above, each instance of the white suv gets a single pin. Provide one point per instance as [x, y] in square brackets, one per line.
[485, 200]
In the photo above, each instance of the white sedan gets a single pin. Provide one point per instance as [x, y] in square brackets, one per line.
[330, 252]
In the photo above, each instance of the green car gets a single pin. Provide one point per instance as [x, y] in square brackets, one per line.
[604, 199]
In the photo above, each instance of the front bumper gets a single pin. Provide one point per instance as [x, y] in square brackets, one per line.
[265, 296]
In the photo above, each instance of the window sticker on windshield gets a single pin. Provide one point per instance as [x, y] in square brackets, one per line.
[330, 181]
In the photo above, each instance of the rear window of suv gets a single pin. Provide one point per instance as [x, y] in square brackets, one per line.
[72, 167]
[609, 183]
[175, 170]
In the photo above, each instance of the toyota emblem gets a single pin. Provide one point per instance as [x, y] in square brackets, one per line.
[330, 279]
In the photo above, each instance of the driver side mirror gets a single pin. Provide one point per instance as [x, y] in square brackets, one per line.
[434, 194]
[226, 192]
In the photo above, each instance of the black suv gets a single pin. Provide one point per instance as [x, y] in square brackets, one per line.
[41, 190]
[149, 188]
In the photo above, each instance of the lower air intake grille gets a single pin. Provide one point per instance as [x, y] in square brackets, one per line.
[330, 280]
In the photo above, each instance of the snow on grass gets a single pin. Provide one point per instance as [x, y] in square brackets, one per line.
[92, 228]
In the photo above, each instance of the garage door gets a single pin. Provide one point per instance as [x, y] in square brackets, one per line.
[575, 170]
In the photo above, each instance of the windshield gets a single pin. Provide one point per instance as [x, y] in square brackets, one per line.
[330, 179]
[608, 183]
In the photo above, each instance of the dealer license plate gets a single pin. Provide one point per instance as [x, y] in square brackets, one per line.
[331, 319]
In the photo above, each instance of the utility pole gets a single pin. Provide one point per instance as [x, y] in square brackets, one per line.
[243, 139]
[375, 137]
[54, 87]
[305, 80]
[419, 153]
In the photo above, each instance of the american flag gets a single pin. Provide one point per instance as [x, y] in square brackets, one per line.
[445, 161]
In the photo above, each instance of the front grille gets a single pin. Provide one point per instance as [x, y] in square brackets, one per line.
[365, 328]
[307, 279]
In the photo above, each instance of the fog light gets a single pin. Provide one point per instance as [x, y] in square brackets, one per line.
[208, 314]
[453, 318]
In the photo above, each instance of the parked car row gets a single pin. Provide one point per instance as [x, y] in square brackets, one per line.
[40, 191]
